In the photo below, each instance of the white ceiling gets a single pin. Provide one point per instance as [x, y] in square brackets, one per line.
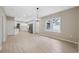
[30, 11]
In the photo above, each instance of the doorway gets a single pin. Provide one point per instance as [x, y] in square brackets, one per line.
[31, 28]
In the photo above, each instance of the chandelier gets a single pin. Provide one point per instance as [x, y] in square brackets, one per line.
[37, 14]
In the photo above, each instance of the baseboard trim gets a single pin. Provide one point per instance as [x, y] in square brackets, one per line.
[61, 39]
[68, 41]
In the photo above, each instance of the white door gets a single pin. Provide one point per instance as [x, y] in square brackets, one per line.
[1, 31]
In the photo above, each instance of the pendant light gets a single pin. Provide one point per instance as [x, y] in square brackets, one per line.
[37, 14]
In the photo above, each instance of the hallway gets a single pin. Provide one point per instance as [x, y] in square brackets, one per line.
[31, 43]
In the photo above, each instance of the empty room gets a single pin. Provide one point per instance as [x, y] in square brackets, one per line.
[39, 29]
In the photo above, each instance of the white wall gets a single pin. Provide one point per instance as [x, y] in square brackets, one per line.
[16, 30]
[11, 26]
[37, 27]
[3, 27]
[1, 30]
[68, 26]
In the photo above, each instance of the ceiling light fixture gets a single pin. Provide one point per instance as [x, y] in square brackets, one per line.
[37, 14]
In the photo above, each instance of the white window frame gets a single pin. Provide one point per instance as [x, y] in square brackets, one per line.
[51, 25]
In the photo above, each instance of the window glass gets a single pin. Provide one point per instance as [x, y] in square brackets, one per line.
[53, 25]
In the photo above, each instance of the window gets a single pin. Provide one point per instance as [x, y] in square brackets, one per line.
[53, 25]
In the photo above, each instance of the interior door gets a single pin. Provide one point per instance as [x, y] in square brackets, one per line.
[1, 31]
